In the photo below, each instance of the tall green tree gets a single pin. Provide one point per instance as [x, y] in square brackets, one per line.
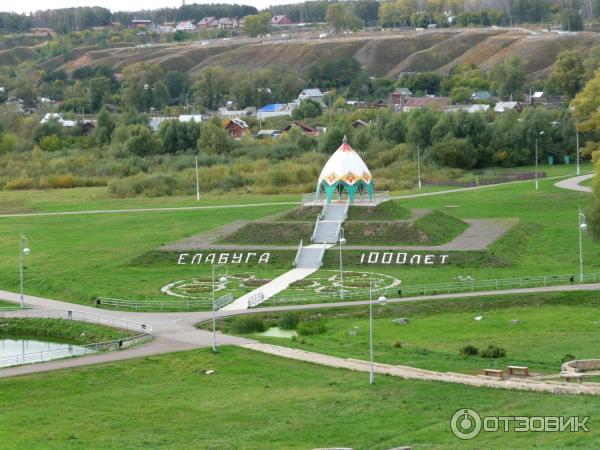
[567, 75]
[212, 87]
[508, 78]
[342, 16]
[258, 24]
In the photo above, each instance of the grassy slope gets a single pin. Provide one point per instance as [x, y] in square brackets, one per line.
[73, 331]
[77, 258]
[260, 402]
[552, 326]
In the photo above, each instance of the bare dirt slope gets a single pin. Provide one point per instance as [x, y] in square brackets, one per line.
[381, 54]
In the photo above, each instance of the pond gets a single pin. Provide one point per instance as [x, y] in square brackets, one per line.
[19, 350]
[278, 332]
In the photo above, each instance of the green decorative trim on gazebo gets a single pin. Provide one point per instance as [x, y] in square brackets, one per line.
[350, 189]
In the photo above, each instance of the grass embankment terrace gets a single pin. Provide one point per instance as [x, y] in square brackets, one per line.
[550, 326]
[267, 402]
[68, 330]
[78, 258]
[365, 226]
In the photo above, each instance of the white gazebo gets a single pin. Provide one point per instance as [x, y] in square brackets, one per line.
[345, 175]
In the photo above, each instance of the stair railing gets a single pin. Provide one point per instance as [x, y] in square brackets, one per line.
[298, 254]
[314, 234]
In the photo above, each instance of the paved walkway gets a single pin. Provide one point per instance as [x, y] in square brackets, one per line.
[412, 373]
[270, 289]
[574, 183]
[176, 331]
[249, 205]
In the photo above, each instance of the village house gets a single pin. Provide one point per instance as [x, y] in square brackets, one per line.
[226, 23]
[208, 22]
[231, 114]
[41, 31]
[481, 96]
[541, 98]
[186, 25]
[275, 110]
[58, 118]
[281, 20]
[306, 129]
[312, 94]
[267, 134]
[359, 123]
[236, 127]
[399, 96]
[141, 23]
[468, 108]
[422, 102]
[508, 106]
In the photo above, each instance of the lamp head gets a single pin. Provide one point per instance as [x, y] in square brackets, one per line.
[26, 251]
[541, 132]
[583, 226]
[343, 241]
[382, 300]
[223, 280]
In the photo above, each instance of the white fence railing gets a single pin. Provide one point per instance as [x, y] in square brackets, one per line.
[223, 301]
[256, 299]
[363, 294]
[298, 253]
[142, 332]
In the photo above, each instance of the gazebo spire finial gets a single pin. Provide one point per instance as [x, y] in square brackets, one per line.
[345, 140]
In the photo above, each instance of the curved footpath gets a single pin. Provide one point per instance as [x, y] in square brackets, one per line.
[176, 332]
[574, 183]
[252, 205]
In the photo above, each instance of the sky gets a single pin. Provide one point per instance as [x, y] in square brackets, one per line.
[120, 5]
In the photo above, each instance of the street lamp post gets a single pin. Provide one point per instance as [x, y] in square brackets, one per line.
[582, 228]
[342, 242]
[222, 281]
[419, 166]
[24, 252]
[197, 181]
[537, 181]
[382, 300]
[577, 144]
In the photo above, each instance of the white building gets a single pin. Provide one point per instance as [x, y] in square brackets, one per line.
[59, 118]
[312, 94]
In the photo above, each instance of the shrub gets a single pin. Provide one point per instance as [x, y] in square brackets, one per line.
[397, 344]
[249, 324]
[567, 357]
[469, 350]
[289, 321]
[493, 352]
[309, 328]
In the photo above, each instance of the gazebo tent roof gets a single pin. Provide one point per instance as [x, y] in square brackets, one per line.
[345, 165]
[345, 172]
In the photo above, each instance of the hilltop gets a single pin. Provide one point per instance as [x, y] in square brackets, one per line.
[382, 54]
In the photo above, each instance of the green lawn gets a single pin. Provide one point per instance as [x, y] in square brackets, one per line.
[70, 330]
[80, 257]
[551, 326]
[77, 258]
[258, 401]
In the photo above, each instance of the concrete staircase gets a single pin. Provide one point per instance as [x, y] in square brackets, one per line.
[329, 222]
[310, 257]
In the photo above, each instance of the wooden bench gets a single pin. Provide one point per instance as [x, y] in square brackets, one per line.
[572, 376]
[493, 373]
[518, 370]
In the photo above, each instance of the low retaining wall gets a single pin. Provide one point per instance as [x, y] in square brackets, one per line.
[580, 365]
